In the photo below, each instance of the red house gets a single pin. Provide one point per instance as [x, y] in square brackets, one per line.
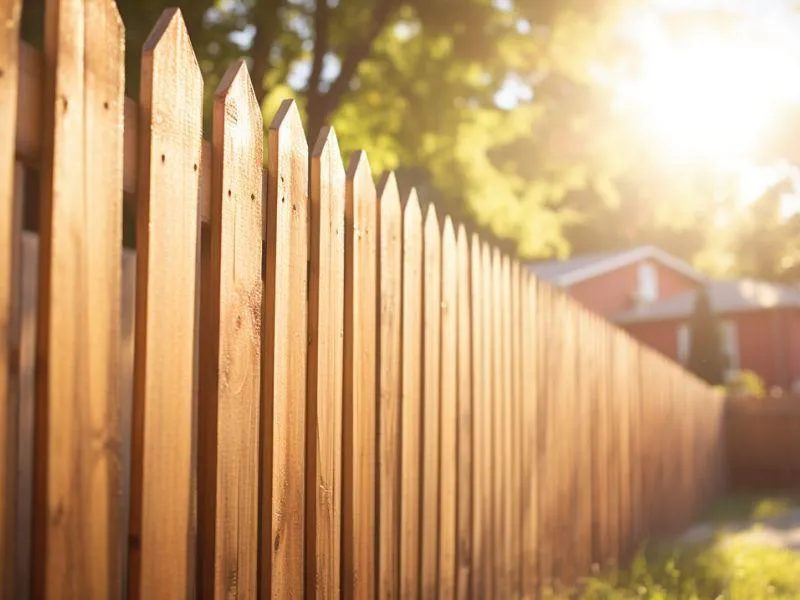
[652, 294]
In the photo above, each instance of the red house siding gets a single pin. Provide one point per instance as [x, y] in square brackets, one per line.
[613, 291]
[769, 342]
[659, 335]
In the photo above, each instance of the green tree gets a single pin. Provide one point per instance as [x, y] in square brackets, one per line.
[705, 352]
[415, 82]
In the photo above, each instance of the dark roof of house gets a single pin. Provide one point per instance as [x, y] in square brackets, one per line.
[586, 266]
[727, 296]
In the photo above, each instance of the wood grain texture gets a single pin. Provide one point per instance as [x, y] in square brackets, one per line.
[544, 328]
[480, 492]
[503, 401]
[27, 397]
[230, 347]
[166, 277]
[411, 429]
[623, 399]
[10, 256]
[431, 354]
[77, 549]
[360, 407]
[285, 353]
[529, 525]
[495, 328]
[390, 300]
[612, 449]
[325, 370]
[464, 427]
[487, 377]
[584, 333]
[448, 424]
[515, 431]
[29, 130]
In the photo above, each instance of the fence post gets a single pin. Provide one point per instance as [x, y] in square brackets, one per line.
[448, 482]
[164, 383]
[390, 299]
[464, 435]
[411, 460]
[431, 408]
[325, 370]
[76, 516]
[10, 260]
[360, 405]
[285, 352]
[230, 346]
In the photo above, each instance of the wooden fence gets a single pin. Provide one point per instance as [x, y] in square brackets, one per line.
[300, 383]
[763, 452]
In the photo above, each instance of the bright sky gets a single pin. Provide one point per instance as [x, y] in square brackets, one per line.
[712, 92]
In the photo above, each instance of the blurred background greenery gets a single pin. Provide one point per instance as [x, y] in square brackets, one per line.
[554, 126]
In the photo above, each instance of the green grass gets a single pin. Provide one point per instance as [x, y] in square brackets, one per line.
[744, 507]
[726, 568]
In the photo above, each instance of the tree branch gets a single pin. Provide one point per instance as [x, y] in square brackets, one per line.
[267, 32]
[324, 104]
[321, 31]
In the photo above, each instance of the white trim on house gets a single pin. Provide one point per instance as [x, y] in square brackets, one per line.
[617, 261]
[684, 343]
[647, 282]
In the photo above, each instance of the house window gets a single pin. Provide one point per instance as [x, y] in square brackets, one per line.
[648, 282]
[684, 339]
[729, 335]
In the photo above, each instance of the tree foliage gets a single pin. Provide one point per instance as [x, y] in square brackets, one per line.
[493, 109]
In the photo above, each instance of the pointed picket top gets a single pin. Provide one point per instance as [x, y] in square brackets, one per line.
[327, 170]
[412, 211]
[106, 14]
[237, 117]
[387, 187]
[327, 142]
[358, 168]
[287, 121]
[461, 236]
[168, 37]
[448, 233]
[361, 194]
[431, 220]
[389, 196]
[475, 245]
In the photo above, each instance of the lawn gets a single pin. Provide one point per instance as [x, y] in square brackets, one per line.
[739, 552]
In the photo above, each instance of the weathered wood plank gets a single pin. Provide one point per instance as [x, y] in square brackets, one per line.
[481, 459]
[622, 399]
[29, 130]
[230, 347]
[448, 483]
[76, 550]
[431, 406]
[503, 403]
[514, 419]
[390, 300]
[27, 398]
[547, 512]
[411, 430]
[360, 406]
[583, 435]
[487, 414]
[285, 352]
[325, 370]
[104, 80]
[465, 460]
[166, 276]
[10, 257]
[529, 438]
